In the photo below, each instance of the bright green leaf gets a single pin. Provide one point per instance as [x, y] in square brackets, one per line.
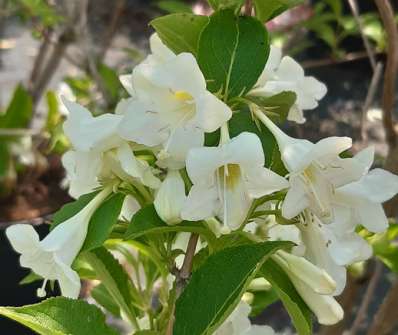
[216, 287]
[294, 304]
[180, 31]
[102, 221]
[114, 278]
[19, 111]
[262, 300]
[60, 316]
[268, 9]
[30, 278]
[232, 53]
[102, 296]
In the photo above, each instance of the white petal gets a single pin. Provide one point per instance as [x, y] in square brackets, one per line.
[289, 70]
[325, 307]
[69, 280]
[136, 168]
[178, 146]
[160, 50]
[317, 251]
[296, 115]
[170, 198]
[262, 181]
[211, 112]
[296, 199]
[23, 238]
[330, 147]
[203, 162]
[202, 203]
[372, 217]
[173, 74]
[82, 170]
[260, 330]
[127, 82]
[87, 132]
[366, 157]
[142, 124]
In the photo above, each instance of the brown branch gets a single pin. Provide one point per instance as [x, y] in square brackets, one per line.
[39, 61]
[387, 16]
[182, 276]
[52, 64]
[248, 7]
[386, 318]
[355, 11]
[374, 84]
[367, 299]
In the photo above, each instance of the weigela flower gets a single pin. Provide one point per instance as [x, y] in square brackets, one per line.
[99, 152]
[315, 171]
[169, 107]
[238, 323]
[285, 74]
[362, 200]
[227, 178]
[52, 257]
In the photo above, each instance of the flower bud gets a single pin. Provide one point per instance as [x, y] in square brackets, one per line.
[170, 198]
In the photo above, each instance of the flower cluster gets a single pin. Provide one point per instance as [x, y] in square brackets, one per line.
[155, 143]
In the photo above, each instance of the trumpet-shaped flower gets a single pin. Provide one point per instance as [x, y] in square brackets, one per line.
[168, 107]
[314, 285]
[285, 74]
[52, 257]
[362, 200]
[227, 178]
[315, 171]
[170, 198]
[238, 323]
[99, 152]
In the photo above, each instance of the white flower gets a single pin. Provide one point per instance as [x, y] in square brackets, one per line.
[52, 257]
[170, 105]
[99, 152]
[285, 74]
[314, 285]
[227, 178]
[315, 171]
[362, 200]
[170, 198]
[238, 323]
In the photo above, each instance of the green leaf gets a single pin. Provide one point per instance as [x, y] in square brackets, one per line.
[102, 297]
[147, 221]
[262, 300]
[30, 278]
[294, 304]
[216, 287]
[111, 80]
[180, 31]
[174, 6]
[242, 121]
[277, 106]
[60, 316]
[223, 4]
[268, 9]
[232, 53]
[19, 111]
[385, 247]
[71, 209]
[53, 115]
[102, 221]
[114, 278]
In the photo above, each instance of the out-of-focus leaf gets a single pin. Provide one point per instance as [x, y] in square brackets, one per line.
[19, 110]
[174, 6]
[268, 9]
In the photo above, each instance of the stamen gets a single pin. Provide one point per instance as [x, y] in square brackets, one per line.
[41, 292]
